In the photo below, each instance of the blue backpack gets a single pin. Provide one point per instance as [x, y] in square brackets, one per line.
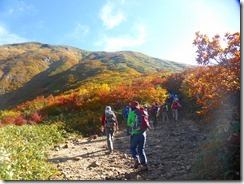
[155, 110]
[126, 111]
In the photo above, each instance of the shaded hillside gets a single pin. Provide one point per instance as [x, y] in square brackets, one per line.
[32, 69]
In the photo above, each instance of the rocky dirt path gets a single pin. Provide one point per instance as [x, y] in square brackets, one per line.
[171, 150]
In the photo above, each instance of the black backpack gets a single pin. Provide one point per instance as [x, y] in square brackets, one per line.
[164, 107]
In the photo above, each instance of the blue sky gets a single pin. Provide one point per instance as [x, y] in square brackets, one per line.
[163, 29]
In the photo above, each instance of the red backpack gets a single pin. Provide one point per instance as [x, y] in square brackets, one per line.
[142, 122]
[175, 105]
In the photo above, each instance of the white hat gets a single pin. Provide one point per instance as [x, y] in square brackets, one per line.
[107, 109]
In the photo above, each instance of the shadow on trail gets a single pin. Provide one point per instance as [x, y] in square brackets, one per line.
[171, 150]
[89, 141]
[78, 157]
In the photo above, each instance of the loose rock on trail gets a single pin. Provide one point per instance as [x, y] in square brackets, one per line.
[171, 150]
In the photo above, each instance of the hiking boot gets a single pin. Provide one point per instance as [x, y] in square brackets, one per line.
[136, 164]
[109, 153]
[143, 168]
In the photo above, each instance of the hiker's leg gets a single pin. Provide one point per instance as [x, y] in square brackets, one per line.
[154, 121]
[133, 145]
[111, 142]
[176, 114]
[109, 139]
[141, 149]
[167, 117]
[164, 116]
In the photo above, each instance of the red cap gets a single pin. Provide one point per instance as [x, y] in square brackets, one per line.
[134, 105]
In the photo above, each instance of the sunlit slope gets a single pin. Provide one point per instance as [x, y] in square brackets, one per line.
[31, 69]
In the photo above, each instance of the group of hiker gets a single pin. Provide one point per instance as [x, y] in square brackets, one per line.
[157, 112]
[138, 119]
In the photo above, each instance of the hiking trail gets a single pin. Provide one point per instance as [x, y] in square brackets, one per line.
[171, 149]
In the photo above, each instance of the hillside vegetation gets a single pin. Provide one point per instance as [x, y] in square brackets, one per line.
[29, 70]
[73, 87]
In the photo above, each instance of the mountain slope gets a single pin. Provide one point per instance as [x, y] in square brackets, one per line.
[32, 69]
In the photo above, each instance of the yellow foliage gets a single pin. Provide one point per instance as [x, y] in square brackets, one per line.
[7, 113]
[82, 92]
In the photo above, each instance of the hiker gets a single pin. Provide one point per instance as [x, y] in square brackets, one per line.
[172, 97]
[165, 110]
[110, 124]
[154, 111]
[125, 114]
[138, 120]
[175, 109]
[145, 107]
[176, 97]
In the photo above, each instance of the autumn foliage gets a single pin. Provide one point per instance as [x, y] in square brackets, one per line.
[210, 86]
[210, 91]
[215, 87]
[82, 108]
[214, 84]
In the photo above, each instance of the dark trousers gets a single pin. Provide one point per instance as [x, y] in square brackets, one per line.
[137, 147]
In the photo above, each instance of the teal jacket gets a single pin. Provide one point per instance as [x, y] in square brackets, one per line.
[131, 121]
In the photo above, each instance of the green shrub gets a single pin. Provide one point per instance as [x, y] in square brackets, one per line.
[22, 152]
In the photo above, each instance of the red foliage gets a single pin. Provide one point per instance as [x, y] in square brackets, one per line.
[212, 85]
[16, 120]
[158, 81]
[35, 117]
[173, 82]
[8, 120]
[20, 120]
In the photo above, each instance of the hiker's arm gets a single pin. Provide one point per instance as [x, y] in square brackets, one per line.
[117, 126]
[102, 119]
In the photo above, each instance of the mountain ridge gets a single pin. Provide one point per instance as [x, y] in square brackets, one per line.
[30, 69]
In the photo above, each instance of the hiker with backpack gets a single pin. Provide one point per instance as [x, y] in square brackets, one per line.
[138, 120]
[154, 111]
[110, 124]
[125, 114]
[171, 98]
[175, 109]
[165, 110]
[145, 107]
